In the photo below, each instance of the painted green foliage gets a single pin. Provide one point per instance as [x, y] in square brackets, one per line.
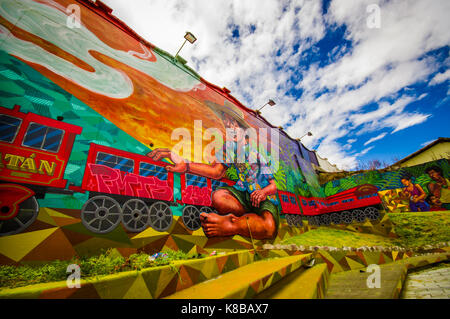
[388, 180]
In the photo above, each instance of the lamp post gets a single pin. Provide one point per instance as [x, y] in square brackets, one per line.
[188, 37]
[309, 134]
[270, 102]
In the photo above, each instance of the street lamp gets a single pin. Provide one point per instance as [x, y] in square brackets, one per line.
[309, 134]
[188, 37]
[270, 102]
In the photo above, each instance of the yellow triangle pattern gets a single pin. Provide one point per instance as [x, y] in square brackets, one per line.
[45, 217]
[138, 290]
[17, 246]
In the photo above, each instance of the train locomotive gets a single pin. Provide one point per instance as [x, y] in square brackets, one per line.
[129, 188]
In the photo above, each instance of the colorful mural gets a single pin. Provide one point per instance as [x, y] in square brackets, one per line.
[122, 100]
[95, 120]
[424, 187]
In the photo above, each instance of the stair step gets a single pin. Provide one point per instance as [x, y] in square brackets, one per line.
[244, 282]
[301, 284]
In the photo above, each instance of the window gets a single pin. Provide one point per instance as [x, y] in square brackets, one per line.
[285, 198]
[43, 137]
[146, 169]
[8, 127]
[121, 163]
[293, 200]
[215, 184]
[304, 202]
[195, 180]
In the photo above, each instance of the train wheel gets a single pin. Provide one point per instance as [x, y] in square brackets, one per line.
[27, 214]
[336, 218]
[161, 217]
[316, 220]
[347, 217]
[101, 214]
[289, 220]
[359, 215]
[135, 215]
[191, 216]
[298, 221]
[325, 219]
[372, 213]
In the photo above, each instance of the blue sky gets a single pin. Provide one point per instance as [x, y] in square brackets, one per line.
[365, 93]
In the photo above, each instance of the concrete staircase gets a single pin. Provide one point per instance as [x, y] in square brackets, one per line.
[246, 282]
[304, 283]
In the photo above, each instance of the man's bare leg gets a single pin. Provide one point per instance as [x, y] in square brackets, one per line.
[261, 226]
[225, 203]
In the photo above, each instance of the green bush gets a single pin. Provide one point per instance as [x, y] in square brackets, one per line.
[108, 262]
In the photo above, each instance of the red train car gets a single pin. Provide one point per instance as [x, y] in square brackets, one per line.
[34, 155]
[126, 187]
[137, 191]
[196, 194]
[355, 204]
[290, 208]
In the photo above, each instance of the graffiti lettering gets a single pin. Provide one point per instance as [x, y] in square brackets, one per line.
[197, 195]
[113, 181]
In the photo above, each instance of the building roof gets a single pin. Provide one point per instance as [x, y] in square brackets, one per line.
[423, 149]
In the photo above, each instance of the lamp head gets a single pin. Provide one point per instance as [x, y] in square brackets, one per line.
[190, 37]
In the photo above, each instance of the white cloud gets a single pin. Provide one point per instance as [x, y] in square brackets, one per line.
[262, 63]
[440, 77]
[364, 151]
[376, 138]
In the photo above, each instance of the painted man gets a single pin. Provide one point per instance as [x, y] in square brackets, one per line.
[439, 187]
[249, 207]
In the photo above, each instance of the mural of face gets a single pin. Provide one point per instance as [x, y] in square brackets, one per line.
[406, 182]
[231, 124]
[435, 175]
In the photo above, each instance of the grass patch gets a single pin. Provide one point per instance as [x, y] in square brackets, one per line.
[109, 262]
[325, 236]
[413, 229]
[422, 228]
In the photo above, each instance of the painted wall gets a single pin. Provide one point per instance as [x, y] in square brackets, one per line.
[391, 188]
[122, 93]
[438, 151]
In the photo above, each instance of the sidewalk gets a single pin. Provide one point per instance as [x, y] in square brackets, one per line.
[432, 283]
[353, 284]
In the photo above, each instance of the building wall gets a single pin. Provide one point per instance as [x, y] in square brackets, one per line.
[438, 151]
[391, 188]
[123, 93]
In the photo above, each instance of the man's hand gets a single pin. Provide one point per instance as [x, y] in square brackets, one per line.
[161, 153]
[257, 197]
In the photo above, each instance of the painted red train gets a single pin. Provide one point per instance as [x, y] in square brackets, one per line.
[127, 187]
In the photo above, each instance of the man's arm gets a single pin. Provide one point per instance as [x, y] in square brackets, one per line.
[214, 171]
[260, 195]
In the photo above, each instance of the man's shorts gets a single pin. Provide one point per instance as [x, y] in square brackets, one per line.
[244, 198]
